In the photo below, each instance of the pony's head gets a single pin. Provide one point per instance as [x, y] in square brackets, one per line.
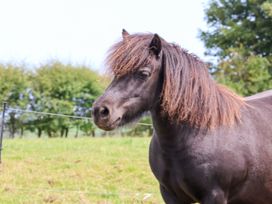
[135, 63]
[149, 72]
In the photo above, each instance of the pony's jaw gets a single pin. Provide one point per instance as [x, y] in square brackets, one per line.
[107, 125]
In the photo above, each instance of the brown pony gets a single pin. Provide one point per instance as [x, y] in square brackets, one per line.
[209, 145]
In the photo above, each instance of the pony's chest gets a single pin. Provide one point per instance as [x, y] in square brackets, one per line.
[175, 171]
[174, 175]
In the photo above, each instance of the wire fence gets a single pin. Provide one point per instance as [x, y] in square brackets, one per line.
[46, 113]
[64, 115]
[31, 122]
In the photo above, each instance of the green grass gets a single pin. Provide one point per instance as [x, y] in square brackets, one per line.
[97, 170]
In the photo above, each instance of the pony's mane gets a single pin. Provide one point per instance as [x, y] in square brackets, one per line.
[189, 93]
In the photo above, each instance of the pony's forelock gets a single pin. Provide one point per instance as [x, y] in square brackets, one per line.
[129, 54]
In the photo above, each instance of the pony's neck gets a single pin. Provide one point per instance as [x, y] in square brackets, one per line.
[223, 109]
[171, 136]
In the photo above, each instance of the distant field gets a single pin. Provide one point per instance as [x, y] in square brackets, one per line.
[84, 170]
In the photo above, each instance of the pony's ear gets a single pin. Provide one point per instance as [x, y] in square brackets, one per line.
[124, 33]
[155, 45]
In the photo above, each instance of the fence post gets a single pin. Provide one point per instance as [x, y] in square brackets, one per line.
[2, 128]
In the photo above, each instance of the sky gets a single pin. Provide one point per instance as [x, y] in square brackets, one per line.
[33, 32]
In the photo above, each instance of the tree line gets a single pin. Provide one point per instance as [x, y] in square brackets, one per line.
[54, 88]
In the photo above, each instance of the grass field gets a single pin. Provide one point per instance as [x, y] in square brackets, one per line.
[96, 170]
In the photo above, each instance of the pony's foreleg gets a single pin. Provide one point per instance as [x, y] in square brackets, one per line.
[171, 198]
[216, 196]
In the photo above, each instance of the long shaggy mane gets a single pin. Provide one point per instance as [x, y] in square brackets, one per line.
[189, 93]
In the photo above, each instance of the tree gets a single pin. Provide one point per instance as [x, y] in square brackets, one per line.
[14, 89]
[65, 89]
[239, 35]
[245, 73]
[87, 128]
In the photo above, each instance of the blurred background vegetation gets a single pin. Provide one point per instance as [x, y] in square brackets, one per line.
[53, 88]
[238, 39]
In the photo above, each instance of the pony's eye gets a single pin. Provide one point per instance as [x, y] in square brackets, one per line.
[143, 74]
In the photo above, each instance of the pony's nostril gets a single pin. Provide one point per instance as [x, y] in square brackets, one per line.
[104, 111]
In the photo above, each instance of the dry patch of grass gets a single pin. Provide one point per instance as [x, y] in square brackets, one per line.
[85, 170]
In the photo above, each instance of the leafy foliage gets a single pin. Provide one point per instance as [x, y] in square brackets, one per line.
[239, 35]
[14, 88]
[247, 74]
[65, 89]
[54, 88]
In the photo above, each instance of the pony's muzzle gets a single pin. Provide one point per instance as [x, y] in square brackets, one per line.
[104, 117]
[101, 113]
